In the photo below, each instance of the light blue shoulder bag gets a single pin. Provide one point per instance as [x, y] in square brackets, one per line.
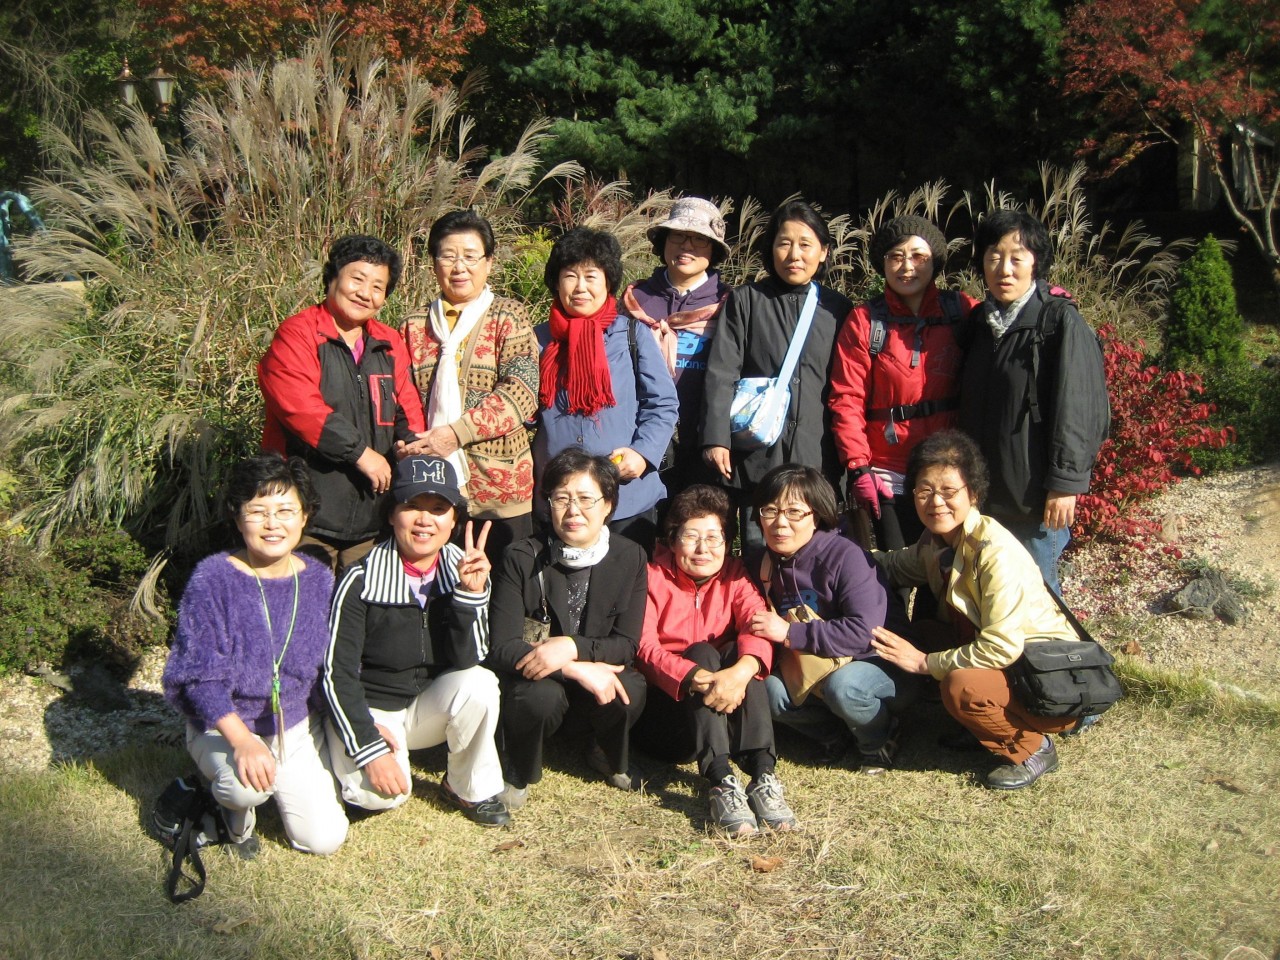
[759, 408]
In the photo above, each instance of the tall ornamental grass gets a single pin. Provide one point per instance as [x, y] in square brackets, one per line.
[127, 404]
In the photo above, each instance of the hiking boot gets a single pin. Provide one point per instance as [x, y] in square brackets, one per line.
[730, 811]
[623, 780]
[488, 813]
[765, 796]
[514, 797]
[880, 759]
[1015, 776]
[1083, 724]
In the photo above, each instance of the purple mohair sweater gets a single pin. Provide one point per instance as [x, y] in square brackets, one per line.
[221, 657]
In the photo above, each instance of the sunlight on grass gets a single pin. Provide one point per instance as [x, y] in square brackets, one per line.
[1158, 838]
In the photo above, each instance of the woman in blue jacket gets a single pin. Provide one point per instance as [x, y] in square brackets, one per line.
[604, 388]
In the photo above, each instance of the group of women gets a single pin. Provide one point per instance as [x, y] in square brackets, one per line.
[488, 585]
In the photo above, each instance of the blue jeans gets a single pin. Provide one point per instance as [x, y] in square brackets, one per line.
[859, 694]
[1044, 545]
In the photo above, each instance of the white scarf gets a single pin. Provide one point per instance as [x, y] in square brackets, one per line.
[445, 403]
[575, 558]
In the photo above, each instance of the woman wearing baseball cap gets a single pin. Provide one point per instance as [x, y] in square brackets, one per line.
[409, 631]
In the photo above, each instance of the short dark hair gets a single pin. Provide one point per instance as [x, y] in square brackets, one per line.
[357, 247]
[998, 224]
[800, 211]
[460, 221]
[951, 448]
[267, 474]
[584, 245]
[802, 481]
[574, 460]
[699, 500]
[660, 247]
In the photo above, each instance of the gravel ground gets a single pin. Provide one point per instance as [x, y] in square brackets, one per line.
[1229, 521]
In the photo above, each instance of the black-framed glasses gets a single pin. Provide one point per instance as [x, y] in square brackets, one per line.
[794, 514]
[561, 501]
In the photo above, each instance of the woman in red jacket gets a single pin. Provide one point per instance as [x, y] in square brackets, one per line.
[895, 374]
[706, 669]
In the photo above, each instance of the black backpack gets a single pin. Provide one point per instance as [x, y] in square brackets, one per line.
[186, 818]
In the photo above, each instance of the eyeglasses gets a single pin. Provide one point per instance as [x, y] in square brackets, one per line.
[898, 259]
[713, 541]
[468, 260]
[283, 515]
[561, 501]
[948, 494]
[697, 241]
[794, 514]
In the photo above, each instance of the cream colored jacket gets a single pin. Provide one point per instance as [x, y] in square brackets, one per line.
[994, 583]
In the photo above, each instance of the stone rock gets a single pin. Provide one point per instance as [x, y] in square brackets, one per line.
[1209, 596]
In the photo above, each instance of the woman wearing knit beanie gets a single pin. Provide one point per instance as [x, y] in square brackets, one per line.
[895, 375]
[597, 392]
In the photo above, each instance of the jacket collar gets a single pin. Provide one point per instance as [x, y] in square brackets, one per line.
[377, 334]
[385, 581]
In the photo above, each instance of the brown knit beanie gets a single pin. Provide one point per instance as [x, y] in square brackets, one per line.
[898, 229]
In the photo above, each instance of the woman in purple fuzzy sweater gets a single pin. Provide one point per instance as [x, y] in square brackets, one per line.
[246, 663]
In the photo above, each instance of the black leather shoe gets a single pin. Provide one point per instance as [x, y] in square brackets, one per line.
[1015, 776]
[487, 813]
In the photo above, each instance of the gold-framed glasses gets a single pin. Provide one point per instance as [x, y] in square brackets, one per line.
[948, 494]
[561, 501]
[712, 541]
[283, 515]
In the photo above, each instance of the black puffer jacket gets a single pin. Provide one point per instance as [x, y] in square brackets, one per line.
[1027, 459]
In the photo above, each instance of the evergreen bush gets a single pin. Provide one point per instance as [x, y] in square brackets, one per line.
[1205, 330]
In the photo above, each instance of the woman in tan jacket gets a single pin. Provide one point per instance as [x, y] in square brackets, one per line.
[996, 601]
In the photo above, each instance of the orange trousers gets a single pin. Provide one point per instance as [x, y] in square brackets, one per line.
[983, 702]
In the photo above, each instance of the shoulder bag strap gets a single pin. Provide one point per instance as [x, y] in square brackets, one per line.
[802, 333]
[1071, 617]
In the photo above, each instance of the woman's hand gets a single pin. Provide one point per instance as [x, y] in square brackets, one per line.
[441, 441]
[719, 458]
[629, 463]
[728, 687]
[384, 772]
[1059, 510]
[473, 569]
[255, 766]
[600, 680]
[769, 625]
[547, 657]
[374, 466]
[898, 651]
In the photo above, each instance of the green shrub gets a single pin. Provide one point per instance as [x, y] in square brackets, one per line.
[1205, 330]
[72, 603]
[1247, 398]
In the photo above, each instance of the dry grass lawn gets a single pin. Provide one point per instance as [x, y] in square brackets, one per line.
[1159, 838]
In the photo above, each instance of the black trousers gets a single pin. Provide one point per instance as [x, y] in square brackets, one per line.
[676, 731]
[533, 710]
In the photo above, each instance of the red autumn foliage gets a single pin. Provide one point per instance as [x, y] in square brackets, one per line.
[1157, 421]
[209, 39]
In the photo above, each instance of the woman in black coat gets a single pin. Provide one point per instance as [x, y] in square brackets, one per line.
[565, 622]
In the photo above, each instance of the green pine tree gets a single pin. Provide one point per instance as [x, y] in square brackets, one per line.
[1205, 330]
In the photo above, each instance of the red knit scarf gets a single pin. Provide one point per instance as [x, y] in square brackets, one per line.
[575, 360]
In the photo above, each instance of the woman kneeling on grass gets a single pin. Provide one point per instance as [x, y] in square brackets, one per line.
[403, 670]
[707, 669]
[246, 661]
[996, 600]
[825, 597]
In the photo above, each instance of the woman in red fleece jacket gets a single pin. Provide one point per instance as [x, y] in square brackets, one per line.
[706, 669]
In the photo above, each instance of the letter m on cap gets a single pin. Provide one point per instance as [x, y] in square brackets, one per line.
[429, 471]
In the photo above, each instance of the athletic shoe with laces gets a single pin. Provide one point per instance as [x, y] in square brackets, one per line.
[1015, 776]
[880, 759]
[765, 796]
[730, 810]
[491, 812]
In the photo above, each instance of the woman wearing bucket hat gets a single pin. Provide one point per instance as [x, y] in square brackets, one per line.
[895, 375]
[681, 303]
